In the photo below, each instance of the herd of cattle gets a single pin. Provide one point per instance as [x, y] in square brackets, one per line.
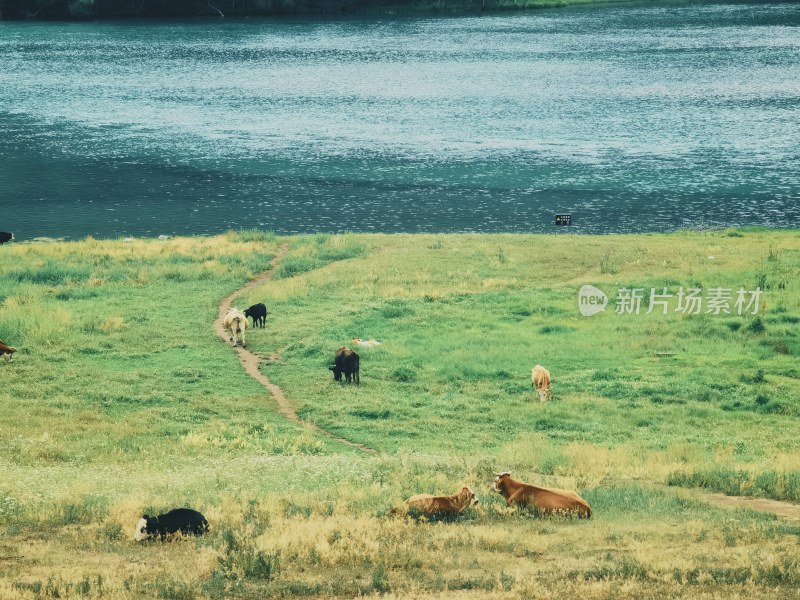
[346, 362]
[545, 501]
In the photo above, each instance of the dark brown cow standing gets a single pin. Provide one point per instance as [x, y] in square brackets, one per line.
[346, 361]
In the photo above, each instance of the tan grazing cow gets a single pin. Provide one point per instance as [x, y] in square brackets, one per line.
[427, 505]
[365, 343]
[545, 500]
[540, 380]
[7, 351]
[235, 322]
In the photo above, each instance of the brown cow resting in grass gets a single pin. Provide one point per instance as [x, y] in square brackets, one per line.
[545, 500]
[429, 506]
[540, 380]
[235, 322]
[7, 351]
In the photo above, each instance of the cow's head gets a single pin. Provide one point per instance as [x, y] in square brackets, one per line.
[144, 528]
[337, 372]
[468, 497]
[500, 481]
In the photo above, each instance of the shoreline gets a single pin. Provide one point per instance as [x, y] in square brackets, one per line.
[728, 231]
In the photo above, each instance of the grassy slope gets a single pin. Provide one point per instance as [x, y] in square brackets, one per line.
[121, 400]
[464, 318]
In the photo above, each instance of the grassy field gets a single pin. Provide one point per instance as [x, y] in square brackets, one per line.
[121, 400]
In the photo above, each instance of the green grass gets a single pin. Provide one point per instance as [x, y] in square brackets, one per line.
[122, 400]
[461, 329]
[784, 485]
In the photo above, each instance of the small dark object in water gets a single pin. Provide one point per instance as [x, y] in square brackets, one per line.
[5, 237]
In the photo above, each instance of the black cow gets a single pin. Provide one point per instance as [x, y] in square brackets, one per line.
[258, 312]
[184, 520]
[345, 361]
[5, 237]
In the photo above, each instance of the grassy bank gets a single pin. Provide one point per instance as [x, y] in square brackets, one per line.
[122, 401]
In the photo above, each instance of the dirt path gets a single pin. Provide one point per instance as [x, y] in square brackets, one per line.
[251, 361]
[776, 507]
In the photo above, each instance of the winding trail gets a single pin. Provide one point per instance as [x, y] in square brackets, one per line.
[251, 361]
[776, 507]
[779, 508]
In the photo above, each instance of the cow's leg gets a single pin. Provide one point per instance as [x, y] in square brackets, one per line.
[243, 342]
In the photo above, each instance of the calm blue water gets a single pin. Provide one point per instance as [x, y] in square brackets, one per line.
[639, 118]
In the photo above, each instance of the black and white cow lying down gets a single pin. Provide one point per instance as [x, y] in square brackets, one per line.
[183, 520]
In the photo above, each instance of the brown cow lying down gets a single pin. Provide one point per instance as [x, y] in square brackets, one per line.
[545, 500]
[7, 351]
[426, 505]
[540, 379]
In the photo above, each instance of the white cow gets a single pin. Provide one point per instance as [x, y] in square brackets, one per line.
[235, 322]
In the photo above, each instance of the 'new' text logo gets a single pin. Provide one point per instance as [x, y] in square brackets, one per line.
[591, 300]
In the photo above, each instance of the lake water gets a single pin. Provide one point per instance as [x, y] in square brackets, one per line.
[631, 118]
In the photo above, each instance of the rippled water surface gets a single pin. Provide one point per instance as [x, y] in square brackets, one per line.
[637, 118]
